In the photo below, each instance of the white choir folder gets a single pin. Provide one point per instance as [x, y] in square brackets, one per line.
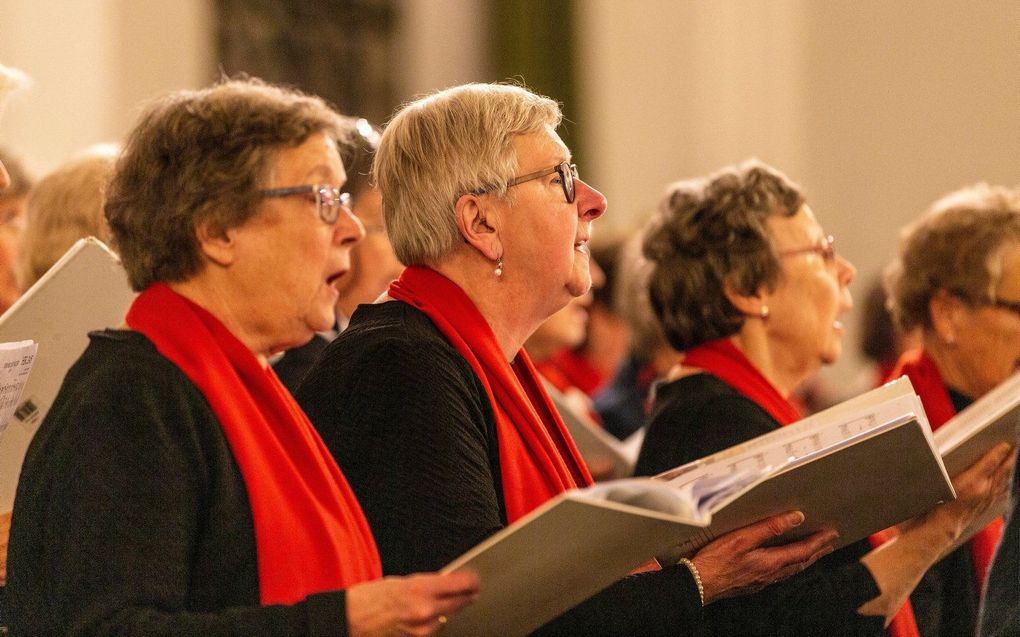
[964, 438]
[86, 290]
[859, 467]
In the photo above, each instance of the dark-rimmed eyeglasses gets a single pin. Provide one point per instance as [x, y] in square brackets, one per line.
[328, 199]
[1009, 306]
[826, 249]
[566, 170]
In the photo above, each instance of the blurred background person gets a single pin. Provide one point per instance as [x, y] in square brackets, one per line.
[957, 280]
[623, 402]
[749, 286]
[589, 364]
[880, 341]
[64, 206]
[373, 264]
[196, 499]
[13, 203]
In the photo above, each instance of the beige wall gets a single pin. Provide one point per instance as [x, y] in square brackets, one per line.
[92, 62]
[875, 107]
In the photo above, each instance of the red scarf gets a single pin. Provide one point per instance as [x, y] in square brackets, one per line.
[927, 381]
[310, 533]
[538, 459]
[722, 359]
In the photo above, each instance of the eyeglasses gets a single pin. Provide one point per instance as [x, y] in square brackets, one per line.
[328, 200]
[567, 172]
[1009, 306]
[826, 249]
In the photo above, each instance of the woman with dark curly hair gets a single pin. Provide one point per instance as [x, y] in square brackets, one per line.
[957, 280]
[747, 284]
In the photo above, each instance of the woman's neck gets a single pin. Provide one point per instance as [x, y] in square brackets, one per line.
[781, 370]
[952, 372]
[217, 300]
[506, 307]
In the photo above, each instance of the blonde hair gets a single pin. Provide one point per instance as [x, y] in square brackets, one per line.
[957, 246]
[445, 145]
[66, 205]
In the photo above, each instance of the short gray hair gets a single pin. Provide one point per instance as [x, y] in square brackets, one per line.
[956, 246]
[445, 145]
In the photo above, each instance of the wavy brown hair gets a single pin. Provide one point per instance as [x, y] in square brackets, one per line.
[708, 232]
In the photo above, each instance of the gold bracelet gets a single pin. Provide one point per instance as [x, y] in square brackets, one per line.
[697, 577]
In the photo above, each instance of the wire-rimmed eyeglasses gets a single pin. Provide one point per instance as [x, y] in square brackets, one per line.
[826, 249]
[328, 199]
[567, 172]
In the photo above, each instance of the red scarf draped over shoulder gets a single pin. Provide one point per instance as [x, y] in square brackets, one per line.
[310, 533]
[722, 359]
[927, 381]
[538, 459]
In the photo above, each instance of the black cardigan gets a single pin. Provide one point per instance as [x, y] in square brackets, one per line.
[131, 516]
[698, 415]
[410, 423]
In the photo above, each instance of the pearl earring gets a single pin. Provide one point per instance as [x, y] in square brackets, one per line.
[499, 267]
[764, 312]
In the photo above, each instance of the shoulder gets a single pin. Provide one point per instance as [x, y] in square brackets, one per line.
[696, 416]
[394, 344]
[122, 365]
[122, 394]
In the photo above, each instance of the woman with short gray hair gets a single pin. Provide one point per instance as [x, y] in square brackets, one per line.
[957, 280]
[428, 399]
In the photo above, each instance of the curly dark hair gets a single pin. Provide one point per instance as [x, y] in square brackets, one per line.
[201, 156]
[708, 232]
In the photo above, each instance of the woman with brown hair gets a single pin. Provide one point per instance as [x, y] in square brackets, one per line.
[747, 284]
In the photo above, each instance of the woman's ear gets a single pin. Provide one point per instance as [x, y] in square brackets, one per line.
[216, 244]
[755, 304]
[944, 310]
[477, 223]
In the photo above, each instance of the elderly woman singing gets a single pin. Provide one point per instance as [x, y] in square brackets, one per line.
[429, 401]
[175, 487]
[957, 280]
[748, 285]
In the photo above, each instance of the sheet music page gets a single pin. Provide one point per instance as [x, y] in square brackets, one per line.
[15, 364]
[812, 435]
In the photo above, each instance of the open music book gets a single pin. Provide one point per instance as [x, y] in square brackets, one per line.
[964, 438]
[87, 289]
[861, 466]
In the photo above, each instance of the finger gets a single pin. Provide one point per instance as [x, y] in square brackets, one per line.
[768, 528]
[449, 584]
[803, 550]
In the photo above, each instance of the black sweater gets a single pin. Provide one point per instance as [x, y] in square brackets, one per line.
[131, 515]
[410, 423]
[699, 415]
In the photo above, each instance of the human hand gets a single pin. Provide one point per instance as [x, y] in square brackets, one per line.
[414, 605]
[978, 487]
[737, 563]
[5, 532]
